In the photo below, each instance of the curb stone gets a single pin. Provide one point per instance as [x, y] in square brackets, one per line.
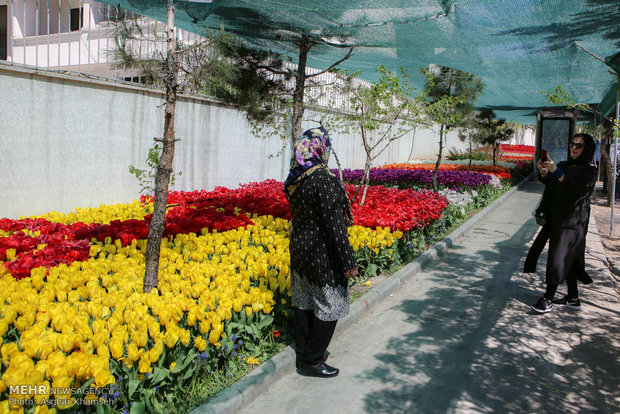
[256, 382]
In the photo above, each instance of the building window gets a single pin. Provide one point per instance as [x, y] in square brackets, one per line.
[4, 39]
[76, 19]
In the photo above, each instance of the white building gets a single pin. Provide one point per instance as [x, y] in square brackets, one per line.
[66, 35]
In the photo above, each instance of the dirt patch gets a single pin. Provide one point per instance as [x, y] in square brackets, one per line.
[611, 243]
[360, 288]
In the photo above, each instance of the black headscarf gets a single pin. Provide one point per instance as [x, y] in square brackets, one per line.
[587, 155]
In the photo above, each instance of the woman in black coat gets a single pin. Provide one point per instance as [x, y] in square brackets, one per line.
[322, 258]
[570, 185]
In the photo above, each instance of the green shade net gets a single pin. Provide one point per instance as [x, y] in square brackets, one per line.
[518, 47]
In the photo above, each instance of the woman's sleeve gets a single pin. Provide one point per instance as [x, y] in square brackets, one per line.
[579, 181]
[332, 206]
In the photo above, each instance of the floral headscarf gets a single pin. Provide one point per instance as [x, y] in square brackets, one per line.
[312, 148]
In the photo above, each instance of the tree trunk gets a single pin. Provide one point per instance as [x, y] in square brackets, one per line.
[436, 170]
[365, 176]
[298, 95]
[470, 156]
[494, 153]
[164, 169]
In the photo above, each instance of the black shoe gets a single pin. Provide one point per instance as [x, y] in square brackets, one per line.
[566, 302]
[543, 305]
[321, 370]
[299, 361]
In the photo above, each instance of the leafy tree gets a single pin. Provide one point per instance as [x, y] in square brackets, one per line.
[491, 131]
[281, 106]
[467, 130]
[448, 97]
[382, 112]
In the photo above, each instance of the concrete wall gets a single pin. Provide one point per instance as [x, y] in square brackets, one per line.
[67, 143]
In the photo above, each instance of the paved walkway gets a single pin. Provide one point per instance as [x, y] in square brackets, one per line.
[459, 337]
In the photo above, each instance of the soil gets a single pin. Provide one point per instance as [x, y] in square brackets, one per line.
[611, 243]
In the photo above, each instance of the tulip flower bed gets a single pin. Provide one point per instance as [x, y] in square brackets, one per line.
[514, 174]
[518, 149]
[517, 152]
[420, 178]
[73, 315]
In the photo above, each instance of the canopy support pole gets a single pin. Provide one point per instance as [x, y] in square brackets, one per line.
[614, 171]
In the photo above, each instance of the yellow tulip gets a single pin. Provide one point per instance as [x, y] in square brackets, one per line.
[171, 339]
[23, 322]
[8, 313]
[103, 351]
[156, 351]
[103, 377]
[66, 342]
[133, 353]
[140, 338]
[116, 348]
[252, 361]
[205, 326]
[215, 335]
[200, 343]
[144, 364]
[172, 365]
[31, 346]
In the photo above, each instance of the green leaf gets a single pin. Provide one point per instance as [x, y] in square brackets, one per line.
[268, 320]
[138, 407]
[133, 386]
[159, 374]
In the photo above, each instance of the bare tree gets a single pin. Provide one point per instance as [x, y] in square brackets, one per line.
[382, 112]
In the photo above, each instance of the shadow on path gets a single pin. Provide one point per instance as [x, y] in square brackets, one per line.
[477, 346]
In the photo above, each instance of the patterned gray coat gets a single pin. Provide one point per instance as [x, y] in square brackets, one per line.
[319, 244]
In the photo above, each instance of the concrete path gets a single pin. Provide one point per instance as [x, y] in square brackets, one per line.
[459, 337]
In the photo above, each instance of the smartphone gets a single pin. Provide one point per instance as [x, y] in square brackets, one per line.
[543, 155]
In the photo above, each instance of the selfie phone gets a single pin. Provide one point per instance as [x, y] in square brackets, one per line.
[543, 155]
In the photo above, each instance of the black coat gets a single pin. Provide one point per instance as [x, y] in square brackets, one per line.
[319, 244]
[568, 216]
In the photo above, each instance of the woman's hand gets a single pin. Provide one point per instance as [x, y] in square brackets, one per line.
[542, 168]
[550, 165]
[351, 273]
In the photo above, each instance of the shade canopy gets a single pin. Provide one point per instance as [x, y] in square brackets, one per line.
[518, 47]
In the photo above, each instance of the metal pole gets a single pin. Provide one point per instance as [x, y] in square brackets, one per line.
[48, 34]
[12, 32]
[24, 34]
[614, 174]
[36, 38]
[598, 162]
[59, 25]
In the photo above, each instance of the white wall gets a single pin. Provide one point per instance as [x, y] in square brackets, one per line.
[67, 143]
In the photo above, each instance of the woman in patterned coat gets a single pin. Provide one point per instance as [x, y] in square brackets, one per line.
[321, 256]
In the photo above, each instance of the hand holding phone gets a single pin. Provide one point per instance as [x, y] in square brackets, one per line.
[544, 156]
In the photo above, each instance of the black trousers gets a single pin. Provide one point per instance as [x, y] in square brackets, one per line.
[560, 268]
[312, 337]
[537, 247]
[576, 272]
